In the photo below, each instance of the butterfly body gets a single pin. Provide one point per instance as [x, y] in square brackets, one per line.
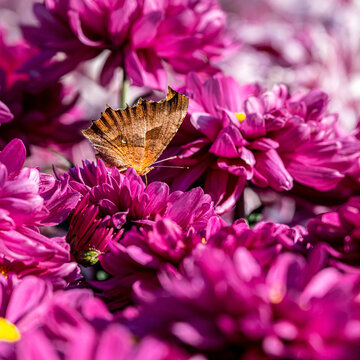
[136, 136]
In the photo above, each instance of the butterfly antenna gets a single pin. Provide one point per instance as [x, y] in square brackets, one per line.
[146, 180]
[172, 166]
[169, 158]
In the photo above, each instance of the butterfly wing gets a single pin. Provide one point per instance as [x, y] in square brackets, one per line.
[119, 137]
[163, 120]
[136, 136]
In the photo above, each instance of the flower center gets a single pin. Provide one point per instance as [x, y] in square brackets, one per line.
[240, 116]
[3, 270]
[8, 331]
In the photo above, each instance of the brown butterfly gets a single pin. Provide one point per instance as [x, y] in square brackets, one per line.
[136, 136]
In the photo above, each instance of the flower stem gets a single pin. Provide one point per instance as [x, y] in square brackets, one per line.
[124, 88]
[240, 208]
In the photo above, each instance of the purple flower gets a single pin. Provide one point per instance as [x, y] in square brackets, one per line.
[216, 301]
[111, 201]
[12, 57]
[315, 310]
[113, 343]
[26, 252]
[142, 37]
[210, 143]
[226, 305]
[284, 41]
[65, 324]
[114, 202]
[68, 318]
[269, 137]
[350, 185]
[265, 241]
[29, 199]
[90, 234]
[19, 298]
[339, 232]
[43, 117]
[142, 253]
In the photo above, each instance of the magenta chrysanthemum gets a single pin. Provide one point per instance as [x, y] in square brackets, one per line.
[269, 137]
[114, 202]
[29, 199]
[226, 305]
[243, 243]
[142, 253]
[142, 37]
[265, 241]
[43, 117]
[34, 319]
[18, 300]
[339, 233]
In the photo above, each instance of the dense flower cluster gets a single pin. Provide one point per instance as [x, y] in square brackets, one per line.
[235, 133]
[227, 304]
[75, 319]
[339, 230]
[141, 35]
[302, 44]
[29, 199]
[42, 117]
[113, 202]
[243, 240]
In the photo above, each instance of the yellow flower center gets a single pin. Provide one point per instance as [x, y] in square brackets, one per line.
[203, 240]
[240, 116]
[3, 270]
[8, 331]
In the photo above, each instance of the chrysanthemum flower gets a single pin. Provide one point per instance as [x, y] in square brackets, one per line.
[111, 201]
[142, 37]
[59, 325]
[115, 342]
[339, 232]
[142, 253]
[236, 133]
[265, 241]
[12, 57]
[19, 298]
[226, 305]
[114, 202]
[43, 117]
[29, 199]
[315, 310]
[218, 299]
[302, 44]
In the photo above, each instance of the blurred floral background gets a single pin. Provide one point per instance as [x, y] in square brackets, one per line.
[246, 246]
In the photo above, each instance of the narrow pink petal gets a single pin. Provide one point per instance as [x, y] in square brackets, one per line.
[27, 296]
[145, 29]
[270, 165]
[233, 193]
[319, 178]
[207, 124]
[76, 26]
[145, 69]
[13, 155]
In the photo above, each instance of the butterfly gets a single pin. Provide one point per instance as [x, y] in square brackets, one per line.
[136, 136]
